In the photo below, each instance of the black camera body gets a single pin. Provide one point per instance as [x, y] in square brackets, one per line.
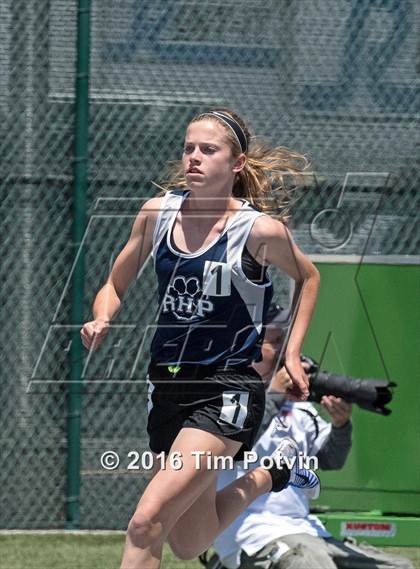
[369, 394]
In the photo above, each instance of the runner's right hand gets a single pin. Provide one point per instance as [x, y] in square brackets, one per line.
[93, 333]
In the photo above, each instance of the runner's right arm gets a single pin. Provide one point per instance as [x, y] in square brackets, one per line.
[125, 269]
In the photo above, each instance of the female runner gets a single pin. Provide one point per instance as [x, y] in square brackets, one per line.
[211, 243]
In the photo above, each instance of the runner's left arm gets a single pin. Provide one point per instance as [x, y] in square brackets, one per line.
[270, 243]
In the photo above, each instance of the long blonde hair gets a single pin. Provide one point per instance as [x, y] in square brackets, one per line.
[269, 177]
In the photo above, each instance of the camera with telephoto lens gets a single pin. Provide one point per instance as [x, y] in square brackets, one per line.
[369, 394]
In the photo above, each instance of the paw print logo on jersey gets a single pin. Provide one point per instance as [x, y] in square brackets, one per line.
[184, 299]
[189, 286]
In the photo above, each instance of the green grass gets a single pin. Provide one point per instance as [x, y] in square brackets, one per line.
[71, 552]
[95, 552]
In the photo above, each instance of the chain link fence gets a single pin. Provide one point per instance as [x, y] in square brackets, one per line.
[337, 80]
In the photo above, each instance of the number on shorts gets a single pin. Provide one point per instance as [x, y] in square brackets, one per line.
[235, 407]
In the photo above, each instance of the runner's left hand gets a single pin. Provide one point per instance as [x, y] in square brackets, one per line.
[299, 391]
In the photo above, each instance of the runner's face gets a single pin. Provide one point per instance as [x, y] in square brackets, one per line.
[207, 158]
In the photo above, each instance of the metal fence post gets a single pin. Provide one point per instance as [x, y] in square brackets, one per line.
[79, 215]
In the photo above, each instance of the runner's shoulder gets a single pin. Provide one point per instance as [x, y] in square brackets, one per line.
[147, 216]
[152, 206]
[266, 227]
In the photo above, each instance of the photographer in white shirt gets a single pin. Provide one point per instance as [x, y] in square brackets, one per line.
[277, 531]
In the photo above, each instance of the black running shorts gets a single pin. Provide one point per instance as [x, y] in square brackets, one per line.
[224, 401]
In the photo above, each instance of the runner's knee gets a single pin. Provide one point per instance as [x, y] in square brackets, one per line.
[146, 526]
